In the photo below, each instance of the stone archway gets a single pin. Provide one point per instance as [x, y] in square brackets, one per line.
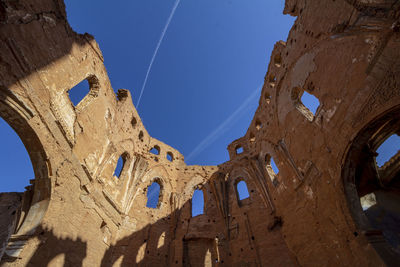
[362, 177]
[35, 200]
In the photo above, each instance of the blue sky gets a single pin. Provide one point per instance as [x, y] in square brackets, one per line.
[204, 84]
[208, 61]
[213, 57]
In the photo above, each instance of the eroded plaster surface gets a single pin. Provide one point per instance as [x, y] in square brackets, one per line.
[78, 213]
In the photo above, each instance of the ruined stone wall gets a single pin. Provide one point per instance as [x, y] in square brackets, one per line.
[77, 212]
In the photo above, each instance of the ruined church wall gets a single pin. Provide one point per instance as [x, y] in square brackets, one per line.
[347, 56]
[83, 207]
[343, 52]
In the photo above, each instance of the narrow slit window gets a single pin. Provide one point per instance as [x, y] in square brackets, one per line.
[278, 60]
[267, 97]
[155, 150]
[389, 148]
[310, 102]
[258, 125]
[170, 156]
[78, 92]
[272, 80]
[134, 122]
[197, 202]
[252, 138]
[119, 167]
[153, 195]
[242, 190]
[272, 168]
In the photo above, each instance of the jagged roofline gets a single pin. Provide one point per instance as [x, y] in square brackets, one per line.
[303, 211]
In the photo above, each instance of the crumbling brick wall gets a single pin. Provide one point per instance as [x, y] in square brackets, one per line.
[77, 212]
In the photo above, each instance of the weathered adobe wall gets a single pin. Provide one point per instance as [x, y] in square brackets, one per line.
[78, 208]
[349, 59]
[344, 53]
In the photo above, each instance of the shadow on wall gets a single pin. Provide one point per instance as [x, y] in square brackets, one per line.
[218, 237]
[150, 246]
[157, 243]
[51, 16]
[54, 251]
[140, 248]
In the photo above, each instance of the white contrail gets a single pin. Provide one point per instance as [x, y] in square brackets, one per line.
[156, 50]
[214, 135]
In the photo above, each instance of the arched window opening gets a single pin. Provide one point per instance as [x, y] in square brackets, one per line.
[16, 167]
[197, 202]
[120, 166]
[170, 156]
[153, 195]
[272, 169]
[371, 176]
[78, 92]
[21, 213]
[388, 150]
[155, 150]
[305, 102]
[242, 190]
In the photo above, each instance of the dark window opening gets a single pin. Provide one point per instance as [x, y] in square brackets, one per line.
[272, 80]
[242, 190]
[134, 122]
[155, 150]
[252, 138]
[170, 156]
[153, 195]
[267, 97]
[122, 94]
[258, 125]
[141, 136]
[78, 92]
[197, 202]
[278, 60]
